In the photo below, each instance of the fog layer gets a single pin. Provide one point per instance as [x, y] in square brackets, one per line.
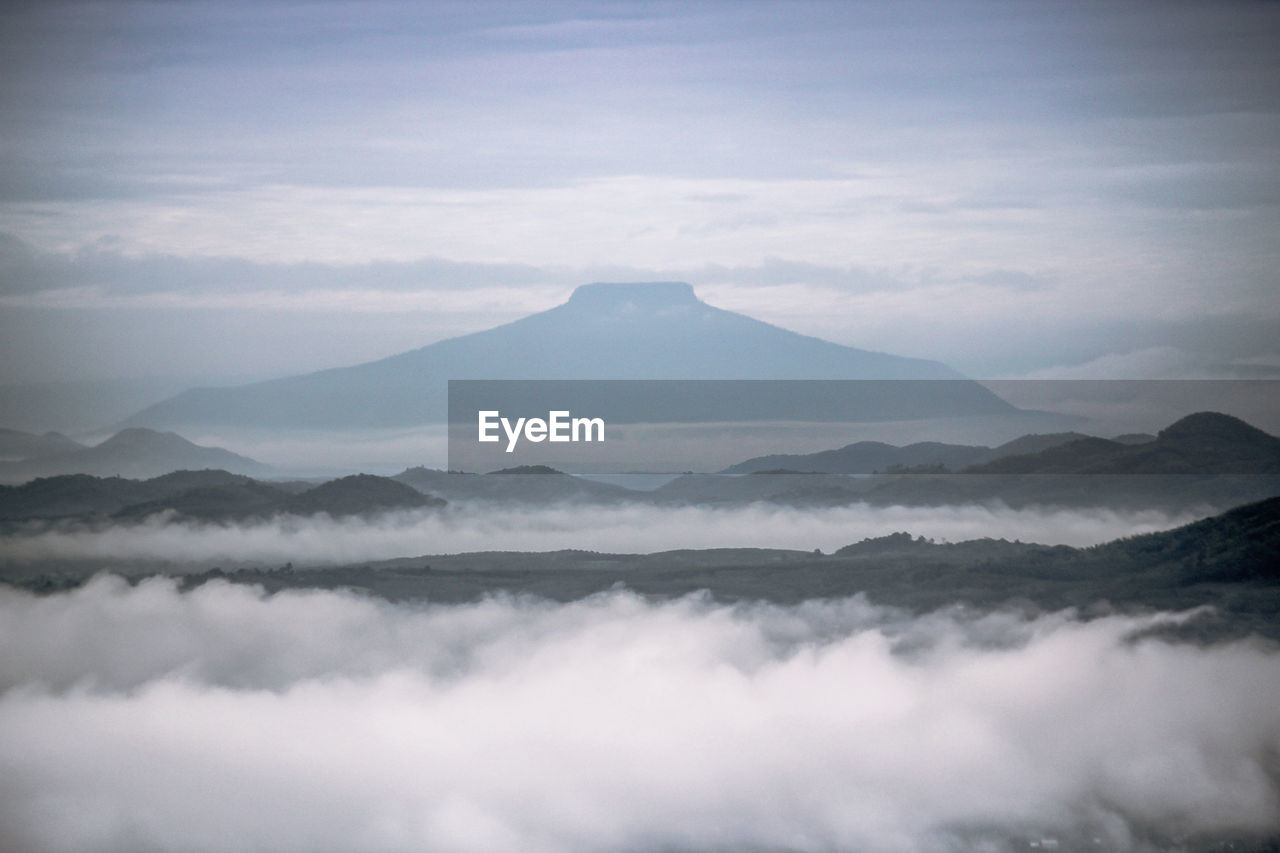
[138, 718]
[624, 528]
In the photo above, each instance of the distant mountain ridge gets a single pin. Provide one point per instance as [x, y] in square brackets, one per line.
[136, 453]
[1200, 443]
[867, 457]
[654, 330]
[16, 445]
[1206, 459]
[208, 495]
[531, 484]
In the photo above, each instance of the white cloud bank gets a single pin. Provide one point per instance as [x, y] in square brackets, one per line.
[142, 718]
[624, 528]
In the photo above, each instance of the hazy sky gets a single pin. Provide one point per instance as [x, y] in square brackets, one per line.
[1044, 188]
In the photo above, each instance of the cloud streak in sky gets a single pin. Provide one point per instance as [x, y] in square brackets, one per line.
[144, 718]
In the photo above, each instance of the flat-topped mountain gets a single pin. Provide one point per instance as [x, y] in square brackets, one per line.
[657, 330]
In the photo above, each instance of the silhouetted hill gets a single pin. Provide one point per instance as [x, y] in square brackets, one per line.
[359, 494]
[83, 495]
[605, 331]
[1133, 438]
[799, 488]
[200, 495]
[1242, 544]
[1215, 437]
[1090, 455]
[68, 496]
[133, 453]
[177, 481]
[863, 457]
[1036, 443]
[1201, 443]
[867, 457]
[522, 484]
[243, 498]
[1207, 461]
[17, 445]
[1203, 460]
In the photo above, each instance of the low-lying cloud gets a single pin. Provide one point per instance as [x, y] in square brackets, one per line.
[139, 718]
[621, 528]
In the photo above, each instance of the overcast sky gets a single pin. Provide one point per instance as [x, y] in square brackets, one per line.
[1016, 188]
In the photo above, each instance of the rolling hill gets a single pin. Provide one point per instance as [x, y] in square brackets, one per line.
[16, 445]
[1200, 443]
[132, 453]
[867, 457]
[207, 495]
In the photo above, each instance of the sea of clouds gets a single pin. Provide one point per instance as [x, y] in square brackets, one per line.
[621, 528]
[137, 718]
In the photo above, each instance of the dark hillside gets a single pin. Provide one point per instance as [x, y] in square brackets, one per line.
[358, 494]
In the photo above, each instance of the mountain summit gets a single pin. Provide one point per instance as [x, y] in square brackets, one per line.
[632, 296]
[653, 330]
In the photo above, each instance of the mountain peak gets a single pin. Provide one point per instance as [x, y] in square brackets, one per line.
[651, 295]
[1203, 427]
[140, 438]
[134, 452]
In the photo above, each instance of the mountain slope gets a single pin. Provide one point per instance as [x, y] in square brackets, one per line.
[866, 457]
[135, 453]
[605, 331]
[517, 485]
[1201, 461]
[1201, 443]
[17, 445]
[359, 494]
[85, 496]
[226, 501]
[201, 495]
